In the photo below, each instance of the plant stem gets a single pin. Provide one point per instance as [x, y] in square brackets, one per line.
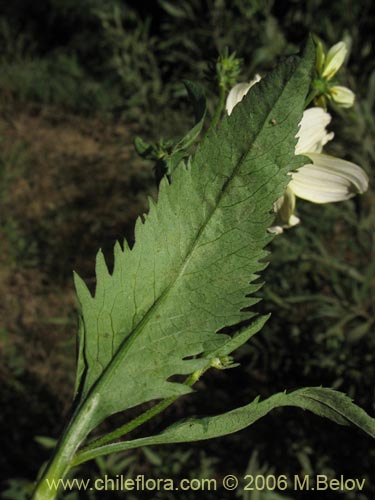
[143, 418]
[313, 93]
[77, 430]
[60, 463]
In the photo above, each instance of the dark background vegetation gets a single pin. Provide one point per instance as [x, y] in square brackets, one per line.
[78, 81]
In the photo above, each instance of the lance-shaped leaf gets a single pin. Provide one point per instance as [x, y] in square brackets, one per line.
[322, 401]
[197, 251]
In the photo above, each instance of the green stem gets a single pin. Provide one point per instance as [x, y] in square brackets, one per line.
[60, 463]
[65, 455]
[130, 426]
[141, 419]
[313, 93]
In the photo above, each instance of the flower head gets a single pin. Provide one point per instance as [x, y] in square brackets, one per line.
[227, 69]
[327, 179]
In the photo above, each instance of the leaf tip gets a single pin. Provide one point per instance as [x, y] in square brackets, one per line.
[82, 290]
[101, 268]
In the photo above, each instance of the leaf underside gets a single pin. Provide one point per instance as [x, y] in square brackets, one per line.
[197, 253]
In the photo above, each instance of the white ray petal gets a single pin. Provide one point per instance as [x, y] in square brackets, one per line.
[312, 135]
[236, 95]
[328, 179]
[238, 92]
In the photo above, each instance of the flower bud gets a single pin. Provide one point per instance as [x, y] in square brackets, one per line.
[334, 60]
[342, 96]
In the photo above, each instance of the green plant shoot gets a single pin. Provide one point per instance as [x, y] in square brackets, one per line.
[192, 272]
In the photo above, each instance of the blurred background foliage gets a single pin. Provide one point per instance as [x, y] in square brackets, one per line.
[78, 81]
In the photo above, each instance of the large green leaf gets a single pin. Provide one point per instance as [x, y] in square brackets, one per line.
[196, 254]
[322, 401]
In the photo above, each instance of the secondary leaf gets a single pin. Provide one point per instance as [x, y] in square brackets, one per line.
[324, 402]
[197, 251]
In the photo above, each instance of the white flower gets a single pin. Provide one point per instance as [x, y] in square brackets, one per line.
[327, 179]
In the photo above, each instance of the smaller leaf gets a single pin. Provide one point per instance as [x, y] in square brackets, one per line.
[334, 405]
[322, 401]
